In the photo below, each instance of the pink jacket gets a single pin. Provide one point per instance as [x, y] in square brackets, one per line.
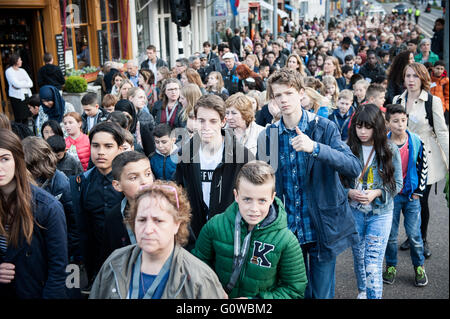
[83, 148]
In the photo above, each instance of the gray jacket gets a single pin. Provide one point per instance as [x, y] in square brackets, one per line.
[189, 277]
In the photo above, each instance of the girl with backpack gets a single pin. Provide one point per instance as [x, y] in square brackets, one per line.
[426, 119]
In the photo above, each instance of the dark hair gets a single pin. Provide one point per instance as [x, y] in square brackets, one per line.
[212, 102]
[346, 68]
[89, 98]
[13, 59]
[369, 52]
[108, 127]
[162, 129]
[222, 46]
[54, 125]
[151, 47]
[123, 159]
[48, 57]
[383, 54]
[303, 47]
[206, 44]
[413, 41]
[370, 116]
[439, 63]
[120, 118]
[395, 72]
[21, 221]
[269, 52]
[392, 109]
[57, 143]
[34, 100]
[349, 57]
[373, 89]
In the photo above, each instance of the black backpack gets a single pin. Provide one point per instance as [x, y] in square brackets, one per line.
[428, 110]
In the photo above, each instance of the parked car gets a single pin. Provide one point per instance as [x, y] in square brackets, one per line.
[377, 10]
[400, 8]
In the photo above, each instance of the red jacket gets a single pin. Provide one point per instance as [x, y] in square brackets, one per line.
[83, 148]
[440, 89]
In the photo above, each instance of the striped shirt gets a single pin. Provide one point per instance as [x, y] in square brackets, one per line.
[3, 243]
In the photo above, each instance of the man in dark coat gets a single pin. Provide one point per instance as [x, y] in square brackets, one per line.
[50, 74]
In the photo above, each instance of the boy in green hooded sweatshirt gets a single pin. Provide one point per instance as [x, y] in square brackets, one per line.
[267, 259]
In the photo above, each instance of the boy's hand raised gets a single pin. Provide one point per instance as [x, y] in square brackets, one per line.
[302, 142]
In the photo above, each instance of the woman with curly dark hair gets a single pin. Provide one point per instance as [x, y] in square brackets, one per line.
[395, 74]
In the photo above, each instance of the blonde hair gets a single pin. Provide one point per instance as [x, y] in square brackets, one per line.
[257, 173]
[364, 83]
[258, 96]
[346, 94]
[125, 81]
[330, 80]
[317, 99]
[219, 78]
[254, 58]
[192, 93]
[243, 105]
[301, 67]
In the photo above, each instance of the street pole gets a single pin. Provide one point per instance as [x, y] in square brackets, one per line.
[446, 35]
[180, 42]
[327, 13]
[344, 10]
[275, 19]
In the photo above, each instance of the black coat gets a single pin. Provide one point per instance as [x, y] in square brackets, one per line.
[235, 45]
[115, 234]
[372, 73]
[263, 116]
[50, 74]
[40, 268]
[187, 174]
[159, 63]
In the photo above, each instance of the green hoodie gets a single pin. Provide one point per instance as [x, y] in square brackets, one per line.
[274, 266]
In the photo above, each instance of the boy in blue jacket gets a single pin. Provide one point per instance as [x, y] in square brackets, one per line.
[342, 115]
[164, 159]
[414, 168]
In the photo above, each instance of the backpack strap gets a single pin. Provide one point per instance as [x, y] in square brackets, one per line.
[429, 111]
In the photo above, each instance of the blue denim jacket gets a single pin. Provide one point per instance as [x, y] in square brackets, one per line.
[328, 205]
[385, 202]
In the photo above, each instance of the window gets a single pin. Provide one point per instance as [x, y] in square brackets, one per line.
[74, 19]
[110, 16]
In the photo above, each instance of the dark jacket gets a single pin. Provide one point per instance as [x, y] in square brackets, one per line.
[50, 74]
[263, 116]
[188, 175]
[437, 43]
[235, 45]
[329, 209]
[281, 60]
[100, 117]
[372, 73]
[92, 195]
[115, 234]
[163, 167]
[231, 81]
[69, 165]
[159, 63]
[107, 80]
[40, 268]
[59, 187]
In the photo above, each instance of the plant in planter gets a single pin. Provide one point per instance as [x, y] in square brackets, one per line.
[74, 89]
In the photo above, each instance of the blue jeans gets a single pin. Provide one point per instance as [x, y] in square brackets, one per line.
[320, 274]
[411, 214]
[368, 253]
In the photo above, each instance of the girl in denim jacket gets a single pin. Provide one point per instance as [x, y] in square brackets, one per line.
[372, 196]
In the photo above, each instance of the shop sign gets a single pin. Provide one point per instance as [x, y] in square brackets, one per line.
[60, 53]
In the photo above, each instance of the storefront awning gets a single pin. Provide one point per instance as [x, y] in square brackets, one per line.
[288, 7]
[282, 14]
[262, 3]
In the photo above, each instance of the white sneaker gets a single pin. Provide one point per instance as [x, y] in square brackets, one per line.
[362, 295]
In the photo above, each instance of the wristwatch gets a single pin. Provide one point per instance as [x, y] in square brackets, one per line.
[316, 150]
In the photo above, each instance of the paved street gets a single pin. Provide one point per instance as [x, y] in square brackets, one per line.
[426, 20]
[437, 266]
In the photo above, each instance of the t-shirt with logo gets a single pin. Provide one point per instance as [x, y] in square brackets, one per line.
[208, 164]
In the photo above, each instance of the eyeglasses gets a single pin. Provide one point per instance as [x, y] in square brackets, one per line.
[173, 90]
[169, 187]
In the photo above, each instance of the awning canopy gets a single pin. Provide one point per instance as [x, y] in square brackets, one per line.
[288, 7]
[282, 14]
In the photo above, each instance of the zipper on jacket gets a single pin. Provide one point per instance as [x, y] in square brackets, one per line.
[164, 167]
[116, 281]
[219, 185]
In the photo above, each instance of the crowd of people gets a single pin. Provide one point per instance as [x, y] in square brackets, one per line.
[241, 172]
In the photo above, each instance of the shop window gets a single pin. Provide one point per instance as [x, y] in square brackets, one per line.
[110, 16]
[74, 20]
[143, 30]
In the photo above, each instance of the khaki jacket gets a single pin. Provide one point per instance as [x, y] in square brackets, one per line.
[189, 277]
[436, 144]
